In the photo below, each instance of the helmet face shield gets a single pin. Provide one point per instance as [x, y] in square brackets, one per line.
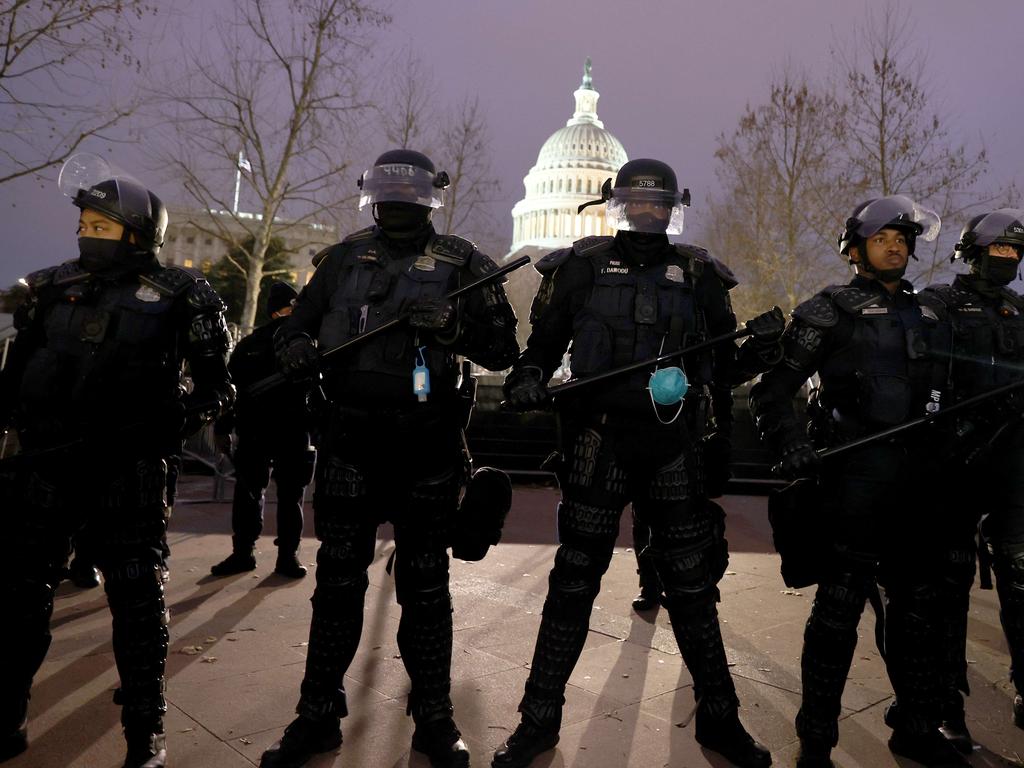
[401, 183]
[645, 209]
[897, 212]
[1003, 226]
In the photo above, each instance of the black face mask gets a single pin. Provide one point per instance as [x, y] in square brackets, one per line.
[401, 219]
[99, 256]
[643, 248]
[998, 270]
[111, 258]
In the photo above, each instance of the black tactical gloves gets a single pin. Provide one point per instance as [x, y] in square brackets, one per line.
[524, 388]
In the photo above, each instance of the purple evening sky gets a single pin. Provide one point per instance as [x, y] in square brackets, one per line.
[672, 75]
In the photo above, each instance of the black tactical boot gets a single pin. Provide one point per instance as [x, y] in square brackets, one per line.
[236, 562]
[929, 748]
[288, 565]
[301, 740]
[647, 600]
[523, 745]
[728, 737]
[147, 746]
[83, 574]
[14, 731]
[954, 728]
[441, 741]
[814, 754]
[1018, 711]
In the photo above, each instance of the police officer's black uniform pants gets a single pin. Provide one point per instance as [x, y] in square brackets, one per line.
[607, 465]
[123, 502]
[292, 460]
[880, 513]
[376, 467]
[991, 488]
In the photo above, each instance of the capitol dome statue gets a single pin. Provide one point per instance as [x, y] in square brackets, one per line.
[571, 167]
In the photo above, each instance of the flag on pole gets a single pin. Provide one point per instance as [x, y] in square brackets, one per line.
[243, 164]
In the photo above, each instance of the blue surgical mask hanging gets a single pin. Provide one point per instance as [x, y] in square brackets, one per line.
[667, 386]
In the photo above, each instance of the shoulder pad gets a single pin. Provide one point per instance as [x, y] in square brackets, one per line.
[360, 234]
[951, 296]
[481, 264]
[63, 274]
[323, 253]
[172, 281]
[850, 298]
[1012, 298]
[547, 264]
[589, 246]
[452, 248]
[701, 255]
[818, 311]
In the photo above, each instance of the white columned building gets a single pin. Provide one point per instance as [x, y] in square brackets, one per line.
[570, 169]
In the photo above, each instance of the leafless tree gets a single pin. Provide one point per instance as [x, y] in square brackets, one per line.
[408, 113]
[897, 143]
[58, 47]
[465, 152]
[777, 169]
[283, 89]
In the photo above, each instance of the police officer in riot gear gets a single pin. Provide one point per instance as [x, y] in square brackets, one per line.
[95, 378]
[987, 465]
[273, 432]
[616, 300]
[393, 447]
[877, 348]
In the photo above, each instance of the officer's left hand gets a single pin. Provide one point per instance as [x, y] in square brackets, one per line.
[767, 327]
[717, 453]
[437, 315]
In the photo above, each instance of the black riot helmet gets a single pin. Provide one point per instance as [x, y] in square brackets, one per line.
[402, 189]
[130, 204]
[897, 212]
[645, 198]
[1002, 227]
[1005, 225]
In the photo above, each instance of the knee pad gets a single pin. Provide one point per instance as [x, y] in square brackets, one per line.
[587, 526]
[421, 580]
[960, 567]
[672, 481]
[1008, 563]
[840, 600]
[575, 580]
[337, 480]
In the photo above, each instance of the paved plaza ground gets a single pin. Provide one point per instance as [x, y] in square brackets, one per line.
[238, 648]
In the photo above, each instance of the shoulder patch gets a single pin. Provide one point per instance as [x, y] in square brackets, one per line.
[171, 281]
[452, 248]
[547, 264]
[818, 311]
[590, 245]
[851, 299]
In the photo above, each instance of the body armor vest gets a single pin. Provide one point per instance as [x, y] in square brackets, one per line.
[105, 347]
[635, 312]
[884, 375]
[373, 288]
[988, 337]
